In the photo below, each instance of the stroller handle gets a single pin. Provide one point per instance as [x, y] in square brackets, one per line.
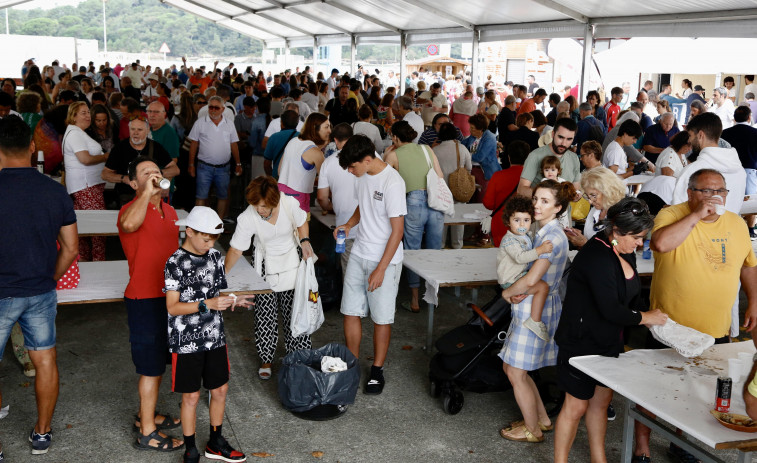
[480, 313]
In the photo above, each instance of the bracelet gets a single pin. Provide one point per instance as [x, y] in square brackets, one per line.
[304, 239]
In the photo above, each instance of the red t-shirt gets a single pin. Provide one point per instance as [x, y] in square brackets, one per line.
[203, 82]
[500, 186]
[612, 111]
[527, 106]
[148, 249]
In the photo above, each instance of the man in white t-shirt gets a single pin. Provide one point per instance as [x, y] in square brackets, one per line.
[331, 82]
[405, 111]
[433, 102]
[274, 126]
[615, 157]
[373, 272]
[722, 106]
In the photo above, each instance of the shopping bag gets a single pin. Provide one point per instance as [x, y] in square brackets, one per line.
[439, 196]
[307, 309]
[70, 279]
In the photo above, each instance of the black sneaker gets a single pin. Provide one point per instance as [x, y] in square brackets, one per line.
[40, 442]
[192, 455]
[219, 449]
[752, 234]
[611, 413]
[374, 386]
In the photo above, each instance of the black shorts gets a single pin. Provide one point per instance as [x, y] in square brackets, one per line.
[148, 335]
[211, 367]
[574, 381]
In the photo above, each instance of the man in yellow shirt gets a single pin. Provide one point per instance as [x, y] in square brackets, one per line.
[699, 258]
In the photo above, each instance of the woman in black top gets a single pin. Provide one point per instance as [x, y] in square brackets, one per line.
[603, 296]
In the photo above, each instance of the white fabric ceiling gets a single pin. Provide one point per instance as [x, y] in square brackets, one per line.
[299, 23]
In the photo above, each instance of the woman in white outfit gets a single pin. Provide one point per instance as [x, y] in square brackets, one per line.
[277, 223]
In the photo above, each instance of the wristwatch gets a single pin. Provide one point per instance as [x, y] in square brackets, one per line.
[202, 307]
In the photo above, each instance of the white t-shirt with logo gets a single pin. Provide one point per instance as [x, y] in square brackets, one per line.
[381, 197]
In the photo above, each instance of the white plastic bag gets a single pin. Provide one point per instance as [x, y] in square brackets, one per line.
[332, 364]
[439, 195]
[307, 310]
[686, 341]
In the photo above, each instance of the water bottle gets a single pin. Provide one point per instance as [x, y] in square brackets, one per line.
[340, 238]
[647, 253]
[41, 162]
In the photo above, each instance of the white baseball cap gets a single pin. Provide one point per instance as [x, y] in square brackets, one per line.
[152, 76]
[204, 220]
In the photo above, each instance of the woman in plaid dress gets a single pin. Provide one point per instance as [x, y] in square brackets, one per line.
[523, 350]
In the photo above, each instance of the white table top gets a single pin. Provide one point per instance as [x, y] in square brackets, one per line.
[749, 206]
[106, 281]
[104, 223]
[460, 209]
[452, 267]
[678, 390]
[638, 179]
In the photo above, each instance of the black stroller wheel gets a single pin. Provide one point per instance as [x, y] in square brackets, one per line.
[453, 402]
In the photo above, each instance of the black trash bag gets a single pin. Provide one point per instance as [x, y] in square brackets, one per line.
[303, 386]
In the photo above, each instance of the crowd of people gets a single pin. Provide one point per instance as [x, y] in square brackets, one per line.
[541, 163]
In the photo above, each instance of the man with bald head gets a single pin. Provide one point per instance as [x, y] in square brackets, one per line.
[657, 136]
[161, 131]
[116, 169]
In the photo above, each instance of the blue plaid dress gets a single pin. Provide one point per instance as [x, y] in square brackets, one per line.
[522, 348]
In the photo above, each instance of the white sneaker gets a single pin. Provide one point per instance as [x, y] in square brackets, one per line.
[538, 328]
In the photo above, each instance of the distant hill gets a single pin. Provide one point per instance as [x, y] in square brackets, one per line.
[135, 26]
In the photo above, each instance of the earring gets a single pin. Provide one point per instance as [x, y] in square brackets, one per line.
[614, 242]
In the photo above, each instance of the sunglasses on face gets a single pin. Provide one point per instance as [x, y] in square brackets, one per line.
[216, 108]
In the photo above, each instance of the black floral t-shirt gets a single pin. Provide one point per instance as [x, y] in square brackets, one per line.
[196, 278]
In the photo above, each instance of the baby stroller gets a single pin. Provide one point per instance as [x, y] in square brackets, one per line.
[467, 358]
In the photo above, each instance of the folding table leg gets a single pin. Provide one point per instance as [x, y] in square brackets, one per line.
[745, 457]
[626, 452]
[430, 329]
[474, 294]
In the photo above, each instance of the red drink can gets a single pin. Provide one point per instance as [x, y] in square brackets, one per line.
[723, 397]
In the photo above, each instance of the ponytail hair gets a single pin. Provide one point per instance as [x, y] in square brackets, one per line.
[563, 192]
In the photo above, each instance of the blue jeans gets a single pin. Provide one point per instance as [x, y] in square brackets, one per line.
[419, 219]
[751, 181]
[208, 176]
[35, 315]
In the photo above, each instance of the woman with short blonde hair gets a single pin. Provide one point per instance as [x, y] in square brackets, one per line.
[603, 189]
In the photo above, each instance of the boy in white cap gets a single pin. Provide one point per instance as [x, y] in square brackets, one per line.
[194, 276]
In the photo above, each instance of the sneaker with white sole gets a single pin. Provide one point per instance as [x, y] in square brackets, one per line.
[219, 449]
[40, 442]
[538, 328]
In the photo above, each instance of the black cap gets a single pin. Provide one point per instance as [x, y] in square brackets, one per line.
[698, 88]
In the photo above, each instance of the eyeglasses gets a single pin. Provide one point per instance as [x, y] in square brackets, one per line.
[202, 103]
[216, 108]
[710, 191]
[636, 210]
[591, 197]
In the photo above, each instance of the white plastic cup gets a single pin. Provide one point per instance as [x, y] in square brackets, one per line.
[719, 208]
[735, 369]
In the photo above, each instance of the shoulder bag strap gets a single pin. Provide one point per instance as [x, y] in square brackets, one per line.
[428, 158]
[290, 214]
[457, 150]
[494, 212]
[281, 151]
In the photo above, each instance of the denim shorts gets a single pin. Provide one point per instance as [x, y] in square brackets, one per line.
[358, 301]
[35, 315]
[208, 176]
[148, 335]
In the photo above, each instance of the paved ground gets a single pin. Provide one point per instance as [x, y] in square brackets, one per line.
[98, 398]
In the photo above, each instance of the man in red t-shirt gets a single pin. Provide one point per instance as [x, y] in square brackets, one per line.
[149, 235]
[530, 104]
[612, 109]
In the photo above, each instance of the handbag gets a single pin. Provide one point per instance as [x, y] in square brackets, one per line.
[307, 309]
[439, 196]
[70, 279]
[462, 183]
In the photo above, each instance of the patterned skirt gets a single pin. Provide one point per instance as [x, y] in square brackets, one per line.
[522, 348]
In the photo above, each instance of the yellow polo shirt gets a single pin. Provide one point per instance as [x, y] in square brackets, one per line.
[696, 283]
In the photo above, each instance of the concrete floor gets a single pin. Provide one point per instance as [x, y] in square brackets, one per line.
[98, 399]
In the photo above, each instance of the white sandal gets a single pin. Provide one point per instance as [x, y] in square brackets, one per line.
[264, 373]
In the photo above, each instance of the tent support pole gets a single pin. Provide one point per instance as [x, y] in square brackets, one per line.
[315, 56]
[353, 55]
[586, 62]
[403, 62]
[474, 70]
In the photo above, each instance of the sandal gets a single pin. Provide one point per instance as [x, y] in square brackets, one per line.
[406, 305]
[528, 436]
[167, 423]
[519, 423]
[165, 443]
[264, 372]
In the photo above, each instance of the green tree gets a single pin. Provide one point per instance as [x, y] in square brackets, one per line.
[40, 26]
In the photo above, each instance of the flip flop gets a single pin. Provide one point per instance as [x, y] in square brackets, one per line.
[519, 423]
[528, 436]
[168, 422]
[406, 305]
[165, 444]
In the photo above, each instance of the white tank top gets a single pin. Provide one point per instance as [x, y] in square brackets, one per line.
[291, 171]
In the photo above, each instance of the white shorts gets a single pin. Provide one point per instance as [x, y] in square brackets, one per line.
[358, 301]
